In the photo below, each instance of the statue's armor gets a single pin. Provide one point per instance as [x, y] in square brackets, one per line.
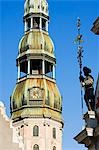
[88, 82]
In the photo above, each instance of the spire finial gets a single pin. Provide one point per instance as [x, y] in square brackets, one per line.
[36, 6]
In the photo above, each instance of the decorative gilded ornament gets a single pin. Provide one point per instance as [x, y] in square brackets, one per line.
[36, 93]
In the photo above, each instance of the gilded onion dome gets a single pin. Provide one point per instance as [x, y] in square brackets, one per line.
[36, 41]
[36, 98]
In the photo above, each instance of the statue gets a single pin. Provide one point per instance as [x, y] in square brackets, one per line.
[87, 82]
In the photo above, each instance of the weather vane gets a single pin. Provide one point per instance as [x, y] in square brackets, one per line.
[80, 51]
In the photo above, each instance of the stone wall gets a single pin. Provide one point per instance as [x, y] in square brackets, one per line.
[45, 138]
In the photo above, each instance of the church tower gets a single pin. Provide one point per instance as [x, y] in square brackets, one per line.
[36, 103]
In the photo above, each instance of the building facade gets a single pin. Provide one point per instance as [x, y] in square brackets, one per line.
[8, 135]
[36, 103]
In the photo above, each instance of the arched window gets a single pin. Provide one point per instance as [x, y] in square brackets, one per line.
[35, 130]
[35, 147]
[54, 133]
[54, 148]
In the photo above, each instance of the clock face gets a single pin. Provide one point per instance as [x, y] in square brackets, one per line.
[36, 93]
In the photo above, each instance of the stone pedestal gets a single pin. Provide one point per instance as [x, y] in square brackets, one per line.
[88, 136]
[90, 119]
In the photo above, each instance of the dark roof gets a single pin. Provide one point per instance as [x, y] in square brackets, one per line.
[95, 27]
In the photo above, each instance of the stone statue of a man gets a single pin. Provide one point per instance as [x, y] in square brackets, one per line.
[87, 82]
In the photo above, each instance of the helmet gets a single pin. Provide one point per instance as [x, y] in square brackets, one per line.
[86, 70]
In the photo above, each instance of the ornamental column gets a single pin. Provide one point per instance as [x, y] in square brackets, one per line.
[53, 71]
[47, 26]
[29, 67]
[25, 26]
[40, 23]
[32, 23]
[43, 67]
[18, 71]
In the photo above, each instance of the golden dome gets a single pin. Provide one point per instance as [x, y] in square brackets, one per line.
[35, 94]
[36, 41]
[36, 6]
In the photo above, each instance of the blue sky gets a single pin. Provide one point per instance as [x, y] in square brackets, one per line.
[63, 31]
